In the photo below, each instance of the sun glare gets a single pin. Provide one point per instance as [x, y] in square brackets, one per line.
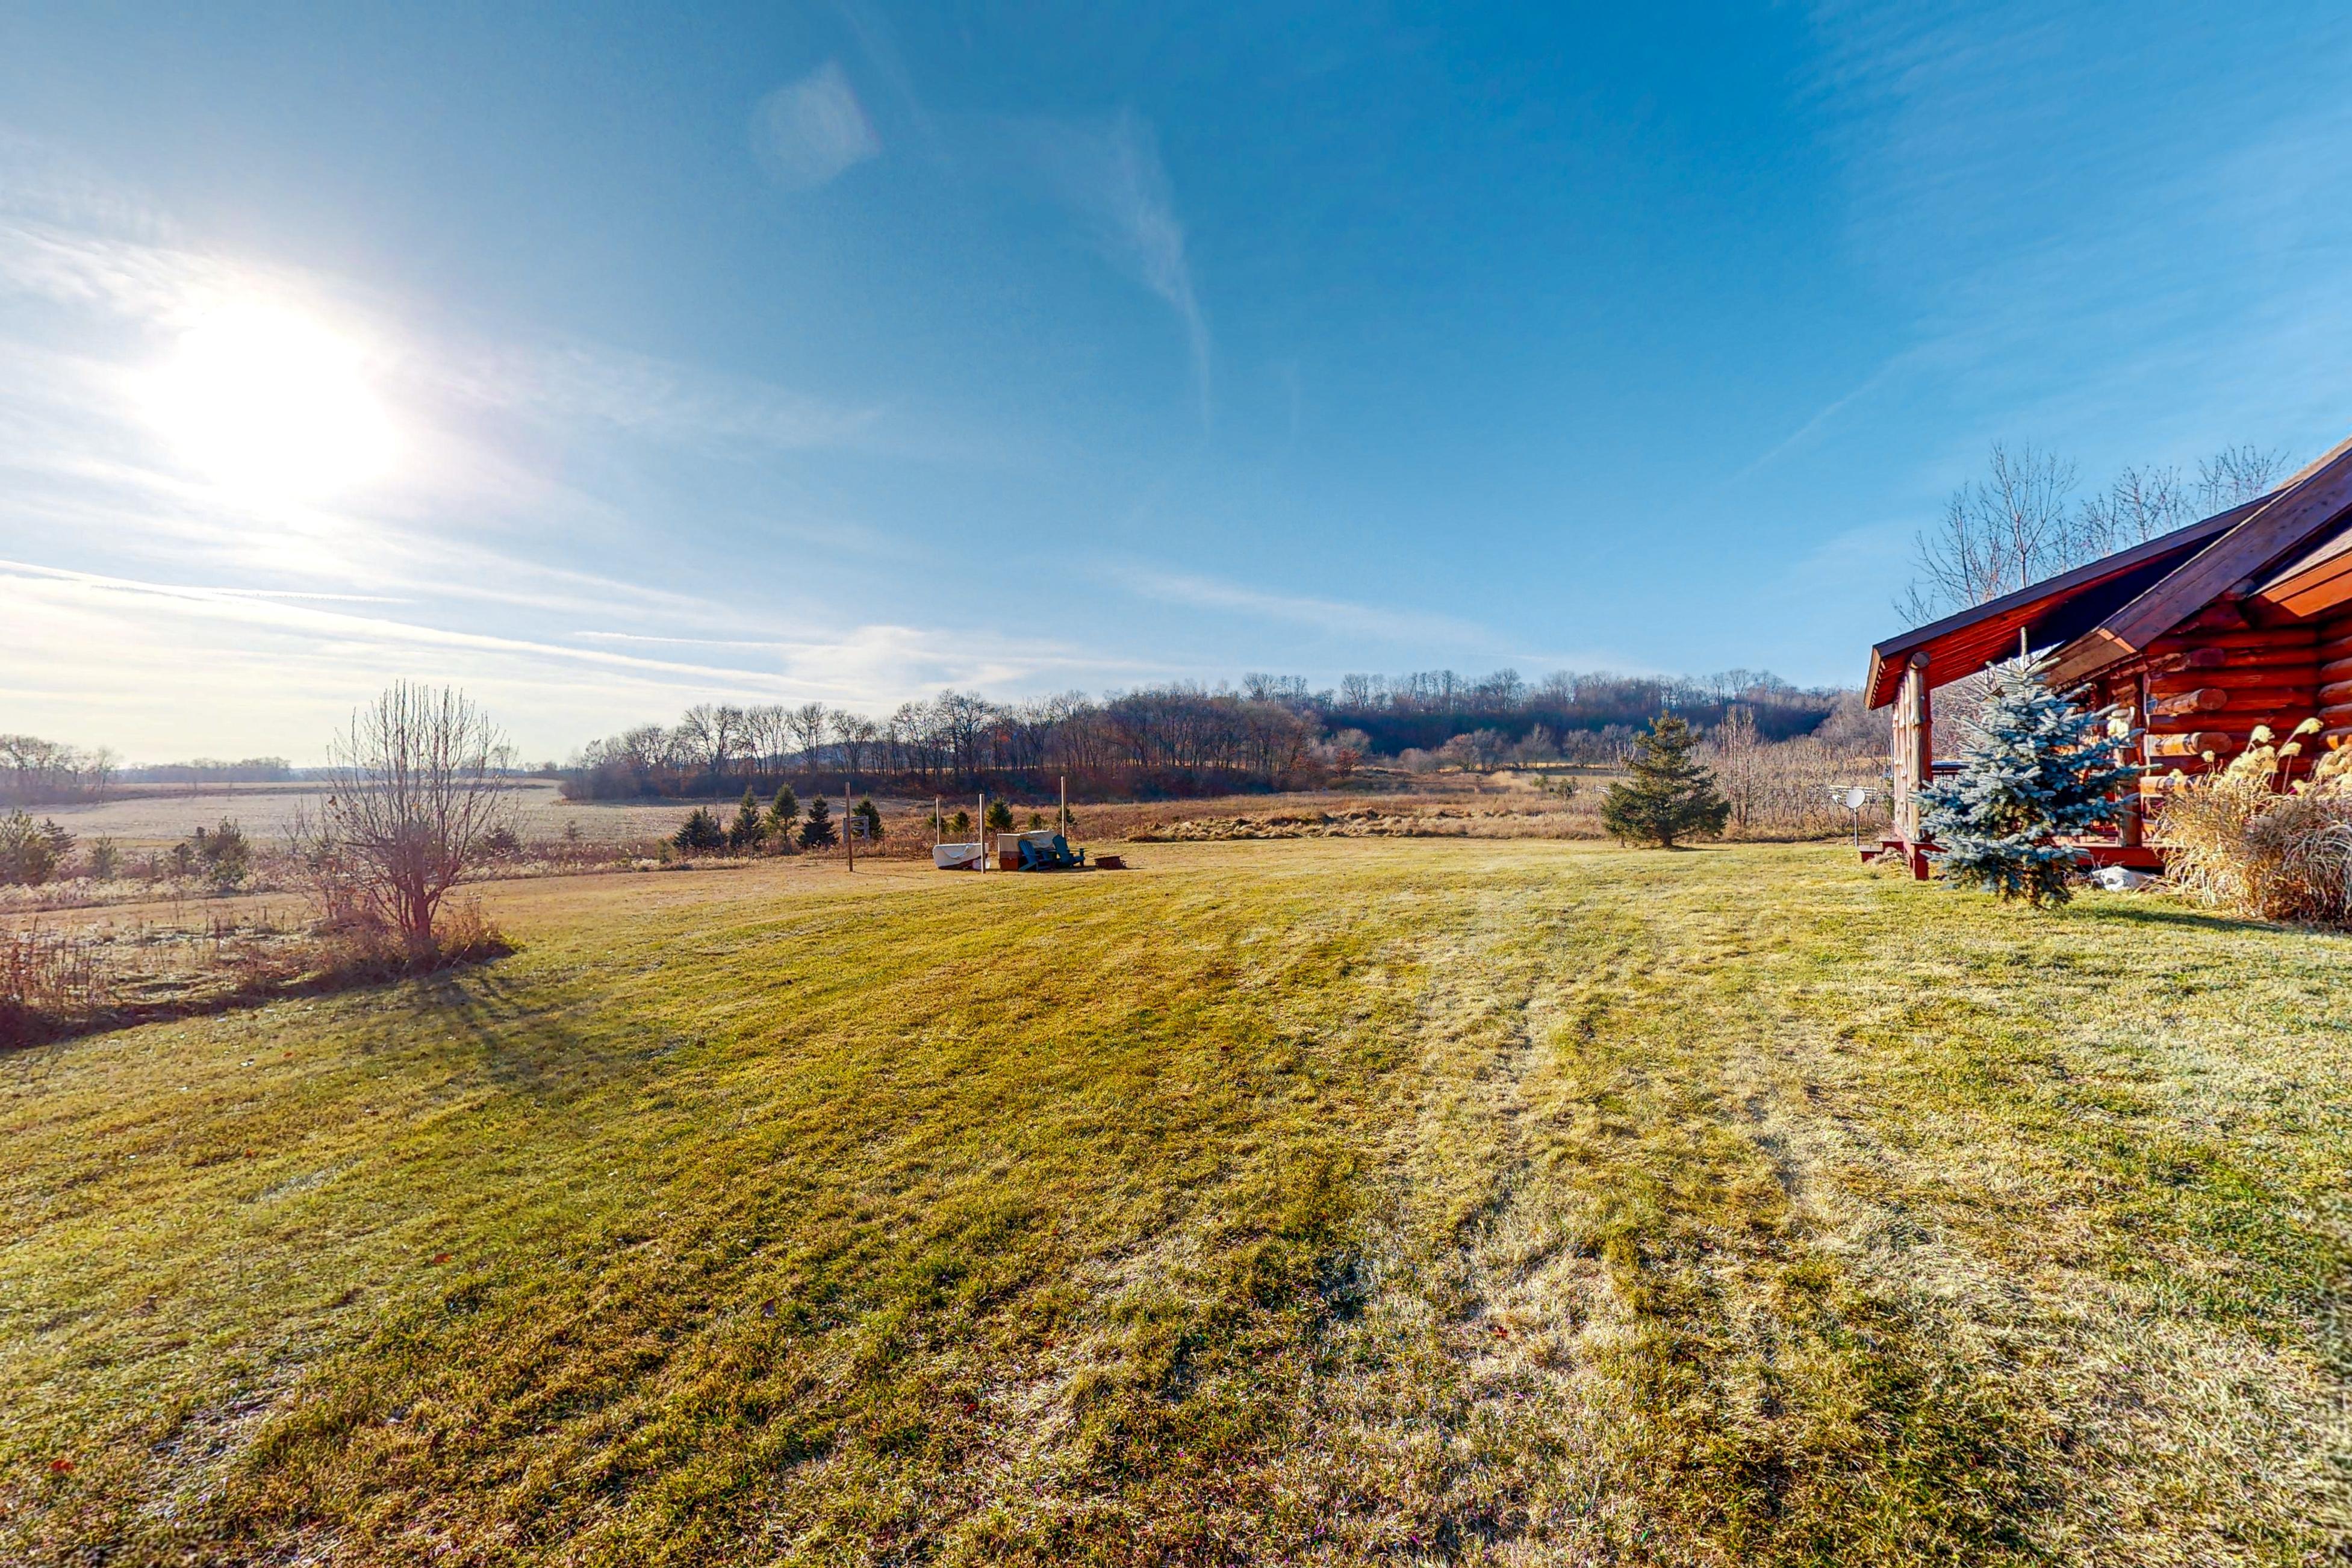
[269, 402]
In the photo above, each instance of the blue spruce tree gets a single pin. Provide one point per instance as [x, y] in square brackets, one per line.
[2039, 768]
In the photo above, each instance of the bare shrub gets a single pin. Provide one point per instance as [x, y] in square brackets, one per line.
[1855, 728]
[44, 975]
[415, 801]
[1792, 789]
[467, 935]
[57, 984]
[2253, 838]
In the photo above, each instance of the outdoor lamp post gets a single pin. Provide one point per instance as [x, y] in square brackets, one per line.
[1854, 798]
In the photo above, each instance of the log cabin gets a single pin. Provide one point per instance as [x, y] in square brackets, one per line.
[2197, 636]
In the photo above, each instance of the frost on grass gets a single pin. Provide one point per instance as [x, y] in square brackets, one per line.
[1341, 1202]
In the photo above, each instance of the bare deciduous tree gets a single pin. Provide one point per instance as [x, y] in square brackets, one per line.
[1998, 534]
[413, 792]
[2140, 504]
[2237, 474]
[33, 772]
[1736, 747]
[2014, 526]
[808, 728]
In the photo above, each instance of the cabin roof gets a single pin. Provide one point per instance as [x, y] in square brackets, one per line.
[2291, 549]
[2318, 579]
[1963, 643]
[2287, 521]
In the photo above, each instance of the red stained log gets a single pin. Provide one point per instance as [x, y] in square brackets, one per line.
[2195, 743]
[2259, 704]
[2204, 700]
[2277, 672]
[2299, 669]
[2247, 637]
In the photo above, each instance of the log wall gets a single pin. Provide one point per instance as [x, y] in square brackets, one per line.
[2335, 674]
[2209, 684]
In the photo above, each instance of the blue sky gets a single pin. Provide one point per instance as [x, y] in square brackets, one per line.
[630, 357]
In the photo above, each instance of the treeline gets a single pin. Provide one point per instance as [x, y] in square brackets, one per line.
[1167, 741]
[1274, 732]
[211, 770]
[1425, 710]
[33, 772]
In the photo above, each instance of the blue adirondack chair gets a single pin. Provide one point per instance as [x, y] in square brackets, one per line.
[1055, 856]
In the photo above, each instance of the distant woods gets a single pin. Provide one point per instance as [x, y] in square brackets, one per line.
[33, 772]
[2025, 520]
[1271, 732]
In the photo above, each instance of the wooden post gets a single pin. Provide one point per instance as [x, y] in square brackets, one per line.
[2130, 827]
[983, 830]
[938, 835]
[848, 838]
[1914, 755]
[1064, 829]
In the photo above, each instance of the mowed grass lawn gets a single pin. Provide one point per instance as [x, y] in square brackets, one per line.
[1319, 1201]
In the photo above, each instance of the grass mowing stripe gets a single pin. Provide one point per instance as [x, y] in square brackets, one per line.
[1327, 1202]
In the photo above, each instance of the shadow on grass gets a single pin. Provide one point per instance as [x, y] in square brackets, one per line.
[522, 1037]
[2174, 915]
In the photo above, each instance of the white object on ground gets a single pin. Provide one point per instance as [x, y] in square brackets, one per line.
[2120, 879]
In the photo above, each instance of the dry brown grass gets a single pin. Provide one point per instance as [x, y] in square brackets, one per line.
[61, 981]
[1371, 1202]
[2255, 838]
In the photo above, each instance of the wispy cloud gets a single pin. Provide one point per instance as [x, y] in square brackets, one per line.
[1820, 420]
[147, 289]
[880, 47]
[1110, 175]
[807, 132]
[151, 608]
[198, 666]
[94, 294]
[1337, 617]
[2125, 239]
[648, 396]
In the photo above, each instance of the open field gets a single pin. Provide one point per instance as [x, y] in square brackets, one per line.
[146, 816]
[621, 833]
[1315, 1201]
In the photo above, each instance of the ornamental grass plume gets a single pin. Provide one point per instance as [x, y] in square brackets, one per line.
[2255, 838]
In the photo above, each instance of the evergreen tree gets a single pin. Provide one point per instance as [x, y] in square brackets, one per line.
[700, 831]
[1000, 817]
[960, 825]
[782, 812]
[28, 853]
[749, 827]
[2038, 767]
[866, 812]
[1670, 795]
[227, 857]
[817, 832]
